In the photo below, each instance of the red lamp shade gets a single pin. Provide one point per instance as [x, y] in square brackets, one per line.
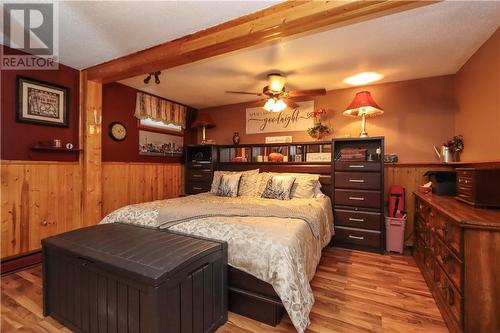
[363, 104]
[203, 120]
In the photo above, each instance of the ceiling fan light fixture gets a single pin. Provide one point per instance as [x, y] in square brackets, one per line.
[274, 105]
[269, 105]
[276, 82]
[279, 106]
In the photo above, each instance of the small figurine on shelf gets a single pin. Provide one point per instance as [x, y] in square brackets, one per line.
[318, 131]
[236, 138]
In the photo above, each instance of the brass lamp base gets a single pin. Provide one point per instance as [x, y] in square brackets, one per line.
[363, 133]
[204, 136]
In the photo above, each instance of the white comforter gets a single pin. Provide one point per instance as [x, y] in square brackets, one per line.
[283, 252]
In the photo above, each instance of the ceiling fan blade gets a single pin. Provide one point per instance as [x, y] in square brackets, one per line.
[260, 102]
[304, 93]
[243, 93]
[291, 104]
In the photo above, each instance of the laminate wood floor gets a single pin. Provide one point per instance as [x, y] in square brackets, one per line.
[355, 292]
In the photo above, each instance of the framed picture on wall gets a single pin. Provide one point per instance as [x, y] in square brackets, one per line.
[160, 144]
[42, 103]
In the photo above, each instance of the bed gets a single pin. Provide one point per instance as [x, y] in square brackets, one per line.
[274, 245]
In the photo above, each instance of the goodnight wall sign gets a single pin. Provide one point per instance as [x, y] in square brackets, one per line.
[259, 120]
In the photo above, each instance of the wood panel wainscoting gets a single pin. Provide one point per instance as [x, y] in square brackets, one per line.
[39, 199]
[410, 176]
[125, 183]
[44, 198]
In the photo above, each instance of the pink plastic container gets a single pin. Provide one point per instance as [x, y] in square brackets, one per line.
[395, 233]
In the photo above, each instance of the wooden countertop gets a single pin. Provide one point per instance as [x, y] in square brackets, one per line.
[468, 216]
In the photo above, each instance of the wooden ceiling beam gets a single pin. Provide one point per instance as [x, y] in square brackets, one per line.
[279, 21]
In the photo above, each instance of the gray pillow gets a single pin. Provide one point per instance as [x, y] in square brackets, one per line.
[279, 187]
[244, 174]
[228, 186]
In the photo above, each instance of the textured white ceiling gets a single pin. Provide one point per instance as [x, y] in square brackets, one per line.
[428, 41]
[91, 32]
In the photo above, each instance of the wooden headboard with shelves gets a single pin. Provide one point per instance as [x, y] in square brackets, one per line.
[324, 170]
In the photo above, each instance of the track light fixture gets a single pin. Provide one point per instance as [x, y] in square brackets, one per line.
[156, 75]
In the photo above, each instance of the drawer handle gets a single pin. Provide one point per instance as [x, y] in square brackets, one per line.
[356, 166]
[197, 188]
[197, 176]
[356, 180]
[466, 181]
[356, 220]
[356, 237]
[357, 198]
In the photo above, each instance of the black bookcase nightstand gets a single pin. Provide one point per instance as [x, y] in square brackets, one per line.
[200, 162]
[358, 203]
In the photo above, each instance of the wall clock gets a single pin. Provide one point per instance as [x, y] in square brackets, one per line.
[117, 131]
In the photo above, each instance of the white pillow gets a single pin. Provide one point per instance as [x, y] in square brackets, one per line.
[249, 184]
[228, 185]
[304, 185]
[279, 187]
[317, 191]
[218, 174]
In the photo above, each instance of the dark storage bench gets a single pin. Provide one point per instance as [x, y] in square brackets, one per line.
[123, 278]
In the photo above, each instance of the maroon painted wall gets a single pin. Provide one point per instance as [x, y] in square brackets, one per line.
[118, 104]
[17, 138]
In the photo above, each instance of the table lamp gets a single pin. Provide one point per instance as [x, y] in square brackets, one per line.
[363, 106]
[203, 120]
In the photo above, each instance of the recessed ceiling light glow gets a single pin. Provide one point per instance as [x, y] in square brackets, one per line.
[363, 78]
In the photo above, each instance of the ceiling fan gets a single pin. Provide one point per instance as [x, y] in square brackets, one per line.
[276, 97]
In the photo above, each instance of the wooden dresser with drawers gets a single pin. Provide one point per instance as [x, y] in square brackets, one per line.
[200, 162]
[479, 187]
[457, 248]
[358, 202]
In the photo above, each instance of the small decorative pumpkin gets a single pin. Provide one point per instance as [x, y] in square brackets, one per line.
[275, 157]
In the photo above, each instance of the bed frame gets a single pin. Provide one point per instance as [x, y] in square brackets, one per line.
[249, 296]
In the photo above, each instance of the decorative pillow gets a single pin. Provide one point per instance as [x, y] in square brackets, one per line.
[261, 180]
[279, 187]
[249, 184]
[218, 174]
[317, 191]
[304, 185]
[229, 184]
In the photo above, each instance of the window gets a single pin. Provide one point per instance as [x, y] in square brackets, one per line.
[159, 125]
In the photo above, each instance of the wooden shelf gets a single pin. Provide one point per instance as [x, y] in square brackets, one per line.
[276, 163]
[56, 149]
[450, 164]
[279, 144]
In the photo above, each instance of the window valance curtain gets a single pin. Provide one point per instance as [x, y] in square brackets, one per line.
[159, 109]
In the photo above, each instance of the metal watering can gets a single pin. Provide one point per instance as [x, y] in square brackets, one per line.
[446, 155]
